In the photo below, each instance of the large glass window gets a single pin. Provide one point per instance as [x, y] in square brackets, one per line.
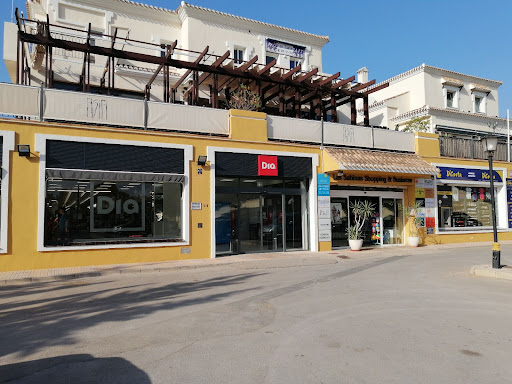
[461, 206]
[79, 212]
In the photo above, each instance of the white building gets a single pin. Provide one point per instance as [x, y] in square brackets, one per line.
[448, 101]
[192, 27]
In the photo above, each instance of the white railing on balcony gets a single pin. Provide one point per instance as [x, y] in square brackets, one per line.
[179, 117]
[19, 100]
[92, 108]
[310, 131]
[58, 105]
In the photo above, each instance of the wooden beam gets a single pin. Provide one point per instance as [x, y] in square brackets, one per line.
[329, 79]
[343, 82]
[366, 112]
[382, 86]
[363, 86]
[306, 76]
[291, 72]
[353, 112]
[185, 75]
[245, 66]
[267, 67]
[168, 54]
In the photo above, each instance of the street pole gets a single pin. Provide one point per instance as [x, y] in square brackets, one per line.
[496, 252]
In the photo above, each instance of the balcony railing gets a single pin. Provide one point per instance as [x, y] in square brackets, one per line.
[469, 148]
[40, 104]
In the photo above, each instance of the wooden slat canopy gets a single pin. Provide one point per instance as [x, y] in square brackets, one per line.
[310, 93]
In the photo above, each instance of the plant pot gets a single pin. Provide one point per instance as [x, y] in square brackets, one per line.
[355, 245]
[413, 241]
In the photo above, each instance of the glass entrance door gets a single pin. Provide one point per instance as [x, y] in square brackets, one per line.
[272, 222]
[339, 221]
[392, 221]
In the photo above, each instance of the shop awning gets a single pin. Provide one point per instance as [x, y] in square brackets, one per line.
[375, 161]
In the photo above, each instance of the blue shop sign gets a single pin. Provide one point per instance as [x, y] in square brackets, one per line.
[467, 174]
[323, 185]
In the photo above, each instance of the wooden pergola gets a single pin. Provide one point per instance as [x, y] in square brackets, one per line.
[287, 92]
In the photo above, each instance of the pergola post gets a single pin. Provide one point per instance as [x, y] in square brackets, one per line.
[366, 111]
[282, 106]
[297, 103]
[334, 116]
[353, 111]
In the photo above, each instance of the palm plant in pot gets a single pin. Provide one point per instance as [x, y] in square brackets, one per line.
[414, 224]
[362, 210]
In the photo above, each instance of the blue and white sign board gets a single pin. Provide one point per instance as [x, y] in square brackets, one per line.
[468, 174]
[324, 207]
[283, 48]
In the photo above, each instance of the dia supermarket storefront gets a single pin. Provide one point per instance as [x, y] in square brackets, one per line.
[262, 201]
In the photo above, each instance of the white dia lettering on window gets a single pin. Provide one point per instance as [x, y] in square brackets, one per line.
[129, 207]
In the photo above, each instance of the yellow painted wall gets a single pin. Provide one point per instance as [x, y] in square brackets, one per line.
[23, 199]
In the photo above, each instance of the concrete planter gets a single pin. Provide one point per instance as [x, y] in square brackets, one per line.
[413, 241]
[355, 245]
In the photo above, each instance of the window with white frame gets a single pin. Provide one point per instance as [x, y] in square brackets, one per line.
[6, 145]
[479, 102]
[270, 58]
[451, 97]
[294, 62]
[97, 193]
[238, 55]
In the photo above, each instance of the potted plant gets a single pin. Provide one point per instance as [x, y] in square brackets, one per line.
[362, 210]
[414, 224]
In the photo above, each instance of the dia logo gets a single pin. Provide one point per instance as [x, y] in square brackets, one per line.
[106, 205]
[267, 165]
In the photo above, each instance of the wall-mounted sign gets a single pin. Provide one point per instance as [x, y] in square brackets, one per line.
[324, 207]
[282, 48]
[468, 174]
[267, 165]
[377, 179]
[195, 206]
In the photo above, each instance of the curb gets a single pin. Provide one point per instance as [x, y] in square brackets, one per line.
[504, 273]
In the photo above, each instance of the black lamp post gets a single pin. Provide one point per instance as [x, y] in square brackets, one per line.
[491, 143]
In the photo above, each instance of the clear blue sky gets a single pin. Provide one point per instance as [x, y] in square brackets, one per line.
[388, 37]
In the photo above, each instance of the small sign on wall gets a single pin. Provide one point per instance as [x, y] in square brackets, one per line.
[196, 206]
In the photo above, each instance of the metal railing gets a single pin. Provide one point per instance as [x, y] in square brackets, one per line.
[469, 148]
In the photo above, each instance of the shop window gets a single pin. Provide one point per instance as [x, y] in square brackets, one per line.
[81, 212]
[462, 207]
[99, 194]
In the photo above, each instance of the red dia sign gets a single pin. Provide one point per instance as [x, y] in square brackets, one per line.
[267, 165]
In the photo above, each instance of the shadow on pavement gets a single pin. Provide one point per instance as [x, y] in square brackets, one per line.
[74, 369]
[52, 318]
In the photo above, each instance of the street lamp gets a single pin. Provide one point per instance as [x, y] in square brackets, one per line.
[491, 143]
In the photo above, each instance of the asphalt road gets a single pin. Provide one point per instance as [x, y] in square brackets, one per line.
[405, 318]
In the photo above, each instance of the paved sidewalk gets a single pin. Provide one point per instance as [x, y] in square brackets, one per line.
[260, 260]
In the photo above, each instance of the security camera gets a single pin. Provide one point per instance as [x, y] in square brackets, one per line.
[340, 173]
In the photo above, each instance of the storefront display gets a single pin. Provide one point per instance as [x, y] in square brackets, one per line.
[464, 207]
[99, 194]
[80, 212]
